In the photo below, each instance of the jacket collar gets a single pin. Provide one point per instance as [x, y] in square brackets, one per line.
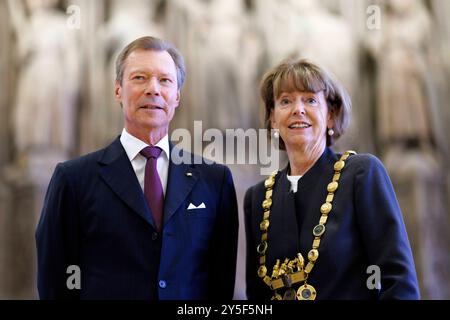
[284, 236]
[118, 174]
[116, 170]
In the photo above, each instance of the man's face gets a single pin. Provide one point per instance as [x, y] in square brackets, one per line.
[149, 92]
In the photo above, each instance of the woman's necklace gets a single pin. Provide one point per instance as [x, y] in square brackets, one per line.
[293, 271]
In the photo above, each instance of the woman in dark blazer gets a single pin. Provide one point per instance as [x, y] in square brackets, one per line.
[328, 226]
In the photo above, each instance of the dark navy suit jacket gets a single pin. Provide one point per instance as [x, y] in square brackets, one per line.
[365, 227]
[95, 216]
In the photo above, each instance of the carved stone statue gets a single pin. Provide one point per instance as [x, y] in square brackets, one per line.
[400, 50]
[212, 34]
[44, 120]
[221, 99]
[44, 115]
[183, 24]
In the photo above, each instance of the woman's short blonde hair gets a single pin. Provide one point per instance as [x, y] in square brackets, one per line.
[301, 75]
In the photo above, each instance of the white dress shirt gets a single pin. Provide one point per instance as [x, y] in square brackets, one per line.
[133, 146]
[294, 182]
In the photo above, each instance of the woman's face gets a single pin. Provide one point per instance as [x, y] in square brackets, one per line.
[302, 119]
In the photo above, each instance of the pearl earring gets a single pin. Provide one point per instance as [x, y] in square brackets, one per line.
[276, 133]
[330, 132]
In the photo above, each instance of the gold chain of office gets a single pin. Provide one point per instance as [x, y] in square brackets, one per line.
[294, 271]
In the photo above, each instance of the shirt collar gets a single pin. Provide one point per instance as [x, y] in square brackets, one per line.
[133, 145]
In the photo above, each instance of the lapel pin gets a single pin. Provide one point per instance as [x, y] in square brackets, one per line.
[188, 174]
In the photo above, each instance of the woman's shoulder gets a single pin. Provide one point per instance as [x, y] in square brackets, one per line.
[364, 161]
[365, 166]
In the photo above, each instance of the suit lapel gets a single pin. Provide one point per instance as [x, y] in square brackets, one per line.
[117, 172]
[181, 180]
[283, 233]
[311, 195]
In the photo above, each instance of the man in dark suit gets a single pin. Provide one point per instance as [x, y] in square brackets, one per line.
[133, 222]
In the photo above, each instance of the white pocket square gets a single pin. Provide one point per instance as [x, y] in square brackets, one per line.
[200, 206]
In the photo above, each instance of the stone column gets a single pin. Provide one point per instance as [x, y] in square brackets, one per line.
[92, 16]
[441, 11]
[4, 248]
[18, 200]
[6, 83]
[5, 143]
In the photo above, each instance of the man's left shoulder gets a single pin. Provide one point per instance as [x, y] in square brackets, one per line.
[211, 168]
[198, 162]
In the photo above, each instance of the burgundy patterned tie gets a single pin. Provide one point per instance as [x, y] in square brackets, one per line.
[153, 190]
